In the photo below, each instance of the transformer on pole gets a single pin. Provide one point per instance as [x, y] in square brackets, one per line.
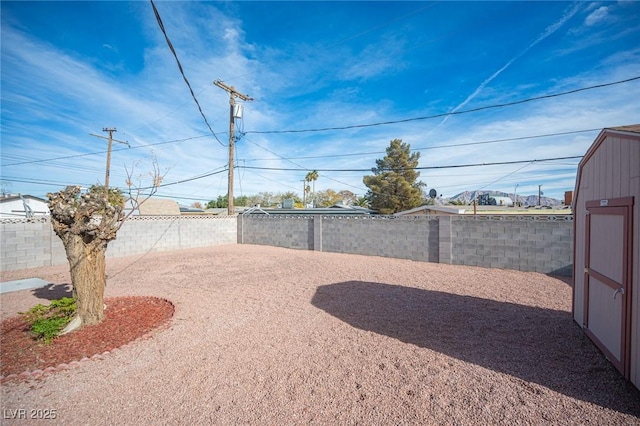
[235, 111]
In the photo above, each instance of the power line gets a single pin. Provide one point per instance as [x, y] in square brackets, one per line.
[423, 168]
[428, 147]
[102, 152]
[41, 182]
[445, 114]
[224, 168]
[355, 154]
[175, 55]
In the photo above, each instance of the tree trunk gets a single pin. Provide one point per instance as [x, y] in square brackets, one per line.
[88, 276]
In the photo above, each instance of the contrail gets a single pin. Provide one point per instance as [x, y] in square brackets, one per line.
[546, 33]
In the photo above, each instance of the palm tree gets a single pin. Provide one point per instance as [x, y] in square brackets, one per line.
[313, 177]
[362, 202]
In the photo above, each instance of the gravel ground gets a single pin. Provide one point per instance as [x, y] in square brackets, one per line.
[265, 335]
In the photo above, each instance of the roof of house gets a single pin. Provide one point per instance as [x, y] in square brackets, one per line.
[336, 209]
[434, 209]
[17, 197]
[217, 211]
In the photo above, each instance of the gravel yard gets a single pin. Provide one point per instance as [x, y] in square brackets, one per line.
[266, 335]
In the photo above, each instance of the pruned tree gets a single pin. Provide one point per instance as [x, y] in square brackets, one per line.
[394, 185]
[86, 223]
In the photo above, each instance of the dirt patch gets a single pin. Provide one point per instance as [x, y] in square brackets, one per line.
[265, 335]
[127, 319]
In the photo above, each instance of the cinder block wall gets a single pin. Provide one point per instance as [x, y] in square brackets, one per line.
[276, 230]
[414, 238]
[141, 234]
[525, 243]
[29, 244]
[32, 243]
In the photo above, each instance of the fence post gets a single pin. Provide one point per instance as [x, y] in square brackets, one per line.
[317, 232]
[444, 239]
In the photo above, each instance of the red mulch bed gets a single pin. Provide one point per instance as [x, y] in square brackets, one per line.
[127, 318]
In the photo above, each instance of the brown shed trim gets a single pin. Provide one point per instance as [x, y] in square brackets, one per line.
[610, 202]
[624, 205]
[629, 132]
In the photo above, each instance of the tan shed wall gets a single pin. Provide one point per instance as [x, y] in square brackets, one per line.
[612, 171]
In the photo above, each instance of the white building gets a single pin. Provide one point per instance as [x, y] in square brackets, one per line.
[22, 206]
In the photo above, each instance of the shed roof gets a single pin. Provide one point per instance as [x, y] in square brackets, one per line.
[632, 128]
[631, 131]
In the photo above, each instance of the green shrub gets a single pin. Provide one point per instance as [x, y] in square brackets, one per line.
[47, 321]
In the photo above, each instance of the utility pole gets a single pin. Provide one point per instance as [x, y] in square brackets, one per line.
[232, 102]
[111, 140]
[539, 195]
[304, 193]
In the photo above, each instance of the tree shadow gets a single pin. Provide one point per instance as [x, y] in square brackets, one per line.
[53, 291]
[538, 345]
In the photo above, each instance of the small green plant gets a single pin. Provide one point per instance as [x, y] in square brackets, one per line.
[47, 321]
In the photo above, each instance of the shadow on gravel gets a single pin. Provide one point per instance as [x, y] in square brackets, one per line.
[53, 291]
[537, 345]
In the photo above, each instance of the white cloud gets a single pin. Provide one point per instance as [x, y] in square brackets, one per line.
[597, 16]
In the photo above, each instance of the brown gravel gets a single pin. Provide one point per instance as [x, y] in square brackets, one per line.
[265, 335]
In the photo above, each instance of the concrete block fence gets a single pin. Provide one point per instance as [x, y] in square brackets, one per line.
[527, 243]
[31, 243]
[532, 243]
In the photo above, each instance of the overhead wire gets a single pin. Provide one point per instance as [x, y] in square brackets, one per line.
[103, 152]
[219, 170]
[505, 176]
[437, 146]
[355, 154]
[446, 114]
[175, 55]
[497, 163]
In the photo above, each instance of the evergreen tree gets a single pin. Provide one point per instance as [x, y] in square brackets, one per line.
[394, 185]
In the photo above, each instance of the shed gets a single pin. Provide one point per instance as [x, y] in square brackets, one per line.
[606, 291]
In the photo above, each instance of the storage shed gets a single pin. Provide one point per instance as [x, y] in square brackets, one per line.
[606, 292]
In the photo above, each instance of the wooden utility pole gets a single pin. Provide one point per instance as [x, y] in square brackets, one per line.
[111, 140]
[304, 193]
[232, 102]
[539, 195]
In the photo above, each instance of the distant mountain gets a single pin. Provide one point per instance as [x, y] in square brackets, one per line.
[467, 198]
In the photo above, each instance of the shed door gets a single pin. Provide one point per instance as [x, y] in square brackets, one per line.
[607, 279]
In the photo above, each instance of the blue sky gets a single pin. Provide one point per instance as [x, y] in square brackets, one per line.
[69, 69]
